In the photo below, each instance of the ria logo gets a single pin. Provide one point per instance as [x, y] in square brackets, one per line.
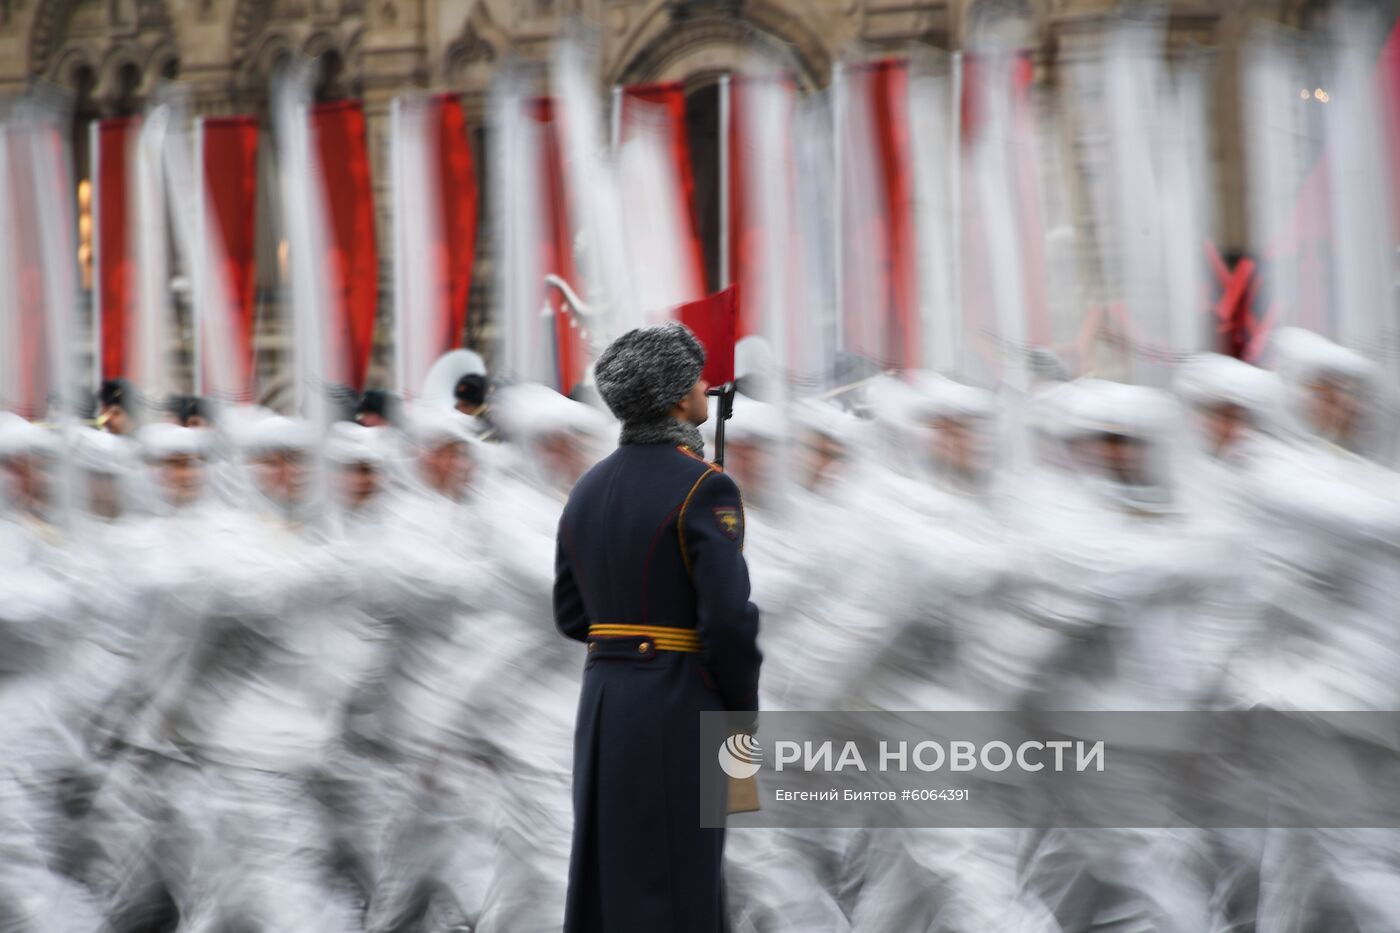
[740, 756]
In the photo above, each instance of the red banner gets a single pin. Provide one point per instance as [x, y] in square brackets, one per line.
[556, 248]
[889, 90]
[344, 163]
[229, 164]
[116, 251]
[670, 98]
[459, 205]
[713, 320]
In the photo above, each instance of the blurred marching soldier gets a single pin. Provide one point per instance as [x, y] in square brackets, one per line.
[146, 810]
[115, 406]
[190, 411]
[377, 409]
[650, 573]
[1119, 599]
[1328, 521]
[37, 609]
[458, 381]
[549, 441]
[469, 397]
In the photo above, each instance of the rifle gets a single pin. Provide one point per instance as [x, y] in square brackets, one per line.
[743, 792]
[725, 394]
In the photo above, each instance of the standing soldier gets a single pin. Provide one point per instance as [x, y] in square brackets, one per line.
[650, 573]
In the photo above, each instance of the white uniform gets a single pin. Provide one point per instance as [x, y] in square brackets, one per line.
[525, 710]
[1329, 521]
[258, 704]
[946, 540]
[422, 802]
[786, 878]
[139, 835]
[1115, 583]
[37, 609]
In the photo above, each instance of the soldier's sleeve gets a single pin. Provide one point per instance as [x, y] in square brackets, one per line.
[569, 614]
[712, 539]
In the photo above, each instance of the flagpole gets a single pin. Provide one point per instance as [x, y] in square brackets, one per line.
[724, 393]
[838, 163]
[49, 155]
[615, 128]
[396, 187]
[94, 147]
[196, 322]
[725, 134]
[10, 309]
[956, 141]
[153, 312]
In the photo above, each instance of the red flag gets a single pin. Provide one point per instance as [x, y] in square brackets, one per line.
[116, 262]
[714, 319]
[229, 166]
[459, 205]
[344, 164]
[556, 249]
[671, 96]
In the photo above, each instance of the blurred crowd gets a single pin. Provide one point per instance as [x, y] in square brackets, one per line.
[256, 675]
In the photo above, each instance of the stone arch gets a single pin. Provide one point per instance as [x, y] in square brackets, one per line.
[118, 62]
[47, 34]
[471, 57]
[162, 63]
[52, 39]
[319, 43]
[63, 70]
[246, 29]
[664, 46]
[262, 31]
[325, 49]
[257, 63]
[354, 59]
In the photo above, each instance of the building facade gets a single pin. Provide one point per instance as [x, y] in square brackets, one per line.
[113, 54]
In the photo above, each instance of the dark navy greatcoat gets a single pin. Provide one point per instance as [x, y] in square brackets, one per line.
[652, 535]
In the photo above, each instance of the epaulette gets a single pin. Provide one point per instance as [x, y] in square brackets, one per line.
[694, 456]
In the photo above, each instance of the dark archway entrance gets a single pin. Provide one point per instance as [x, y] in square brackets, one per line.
[702, 128]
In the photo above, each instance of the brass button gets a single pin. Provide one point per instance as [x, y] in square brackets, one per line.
[644, 647]
[592, 646]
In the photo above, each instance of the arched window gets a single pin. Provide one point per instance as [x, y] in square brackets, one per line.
[329, 76]
[126, 92]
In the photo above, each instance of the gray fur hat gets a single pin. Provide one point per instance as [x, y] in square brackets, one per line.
[647, 370]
